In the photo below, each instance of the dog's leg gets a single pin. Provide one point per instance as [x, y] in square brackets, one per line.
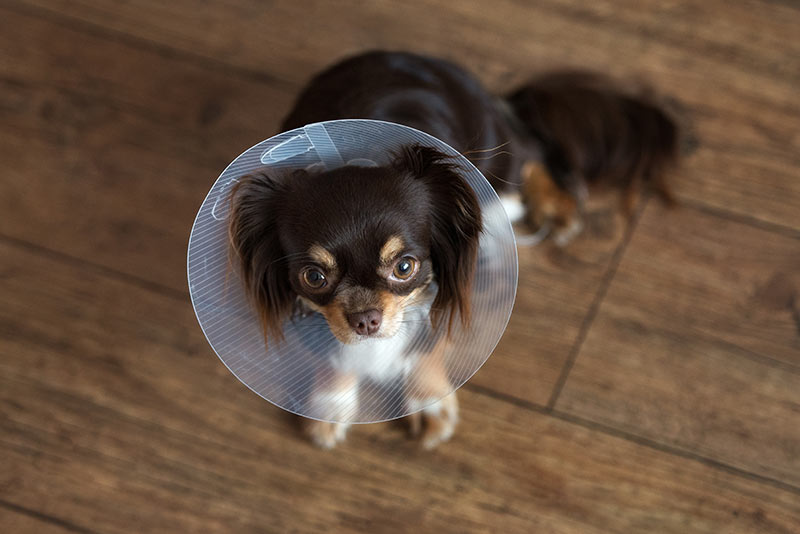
[548, 205]
[427, 393]
[664, 191]
[630, 198]
[336, 400]
[437, 421]
[564, 235]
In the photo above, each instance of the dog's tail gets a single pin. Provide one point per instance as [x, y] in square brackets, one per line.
[591, 130]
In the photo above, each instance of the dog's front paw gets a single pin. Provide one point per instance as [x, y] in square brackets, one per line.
[563, 236]
[436, 423]
[326, 435]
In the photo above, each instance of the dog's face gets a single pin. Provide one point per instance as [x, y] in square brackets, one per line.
[358, 244]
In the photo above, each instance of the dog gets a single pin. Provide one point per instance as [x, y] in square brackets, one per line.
[593, 134]
[387, 241]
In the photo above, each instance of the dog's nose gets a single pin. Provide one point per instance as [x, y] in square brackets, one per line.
[365, 323]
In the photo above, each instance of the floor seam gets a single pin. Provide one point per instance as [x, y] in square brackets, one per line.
[631, 437]
[109, 272]
[594, 308]
[672, 450]
[47, 518]
[748, 220]
[90, 28]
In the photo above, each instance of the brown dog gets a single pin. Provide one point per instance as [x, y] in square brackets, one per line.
[365, 246]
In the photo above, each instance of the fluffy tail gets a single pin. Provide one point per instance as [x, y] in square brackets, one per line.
[592, 131]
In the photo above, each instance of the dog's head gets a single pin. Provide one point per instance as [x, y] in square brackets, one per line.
[358, 244]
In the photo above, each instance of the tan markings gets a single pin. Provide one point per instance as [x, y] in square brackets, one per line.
[440, 422]
[543, 198]
[392, 308]
[392, 312]
[630, 198]
[337, 322]
[429, 378]
[428, 381]
[411, 298]
[393, 246]
[323, 257]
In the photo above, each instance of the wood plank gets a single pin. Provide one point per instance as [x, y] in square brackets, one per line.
[747, 162]
[116, 475]
[233, 32]
[735, 67]
[122, 178]
[556, 289]
[22, 522]
[108, 150]
[115, 416]
[696, 343]
[714, 277]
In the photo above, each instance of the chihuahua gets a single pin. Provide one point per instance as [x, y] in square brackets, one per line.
[368, 246]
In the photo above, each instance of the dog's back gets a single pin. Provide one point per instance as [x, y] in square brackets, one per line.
[428, 94]
[595, 131]
[550, 139]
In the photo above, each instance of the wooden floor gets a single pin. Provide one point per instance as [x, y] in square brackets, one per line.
[649, 380]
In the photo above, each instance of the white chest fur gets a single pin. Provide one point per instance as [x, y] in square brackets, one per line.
[379, 360]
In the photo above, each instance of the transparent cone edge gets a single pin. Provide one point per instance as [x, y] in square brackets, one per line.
[289, 373]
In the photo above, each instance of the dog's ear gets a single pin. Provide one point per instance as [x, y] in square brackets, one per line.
[456, 225]
[254, 239]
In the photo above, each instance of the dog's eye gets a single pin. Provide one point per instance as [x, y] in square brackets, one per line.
[405, 268]
[314, 278]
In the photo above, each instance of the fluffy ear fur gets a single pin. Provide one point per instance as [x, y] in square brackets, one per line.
[254, 240]
[456, 225]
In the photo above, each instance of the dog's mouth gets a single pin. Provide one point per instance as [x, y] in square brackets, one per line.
[364, 325]
[356, 326]
[384, 319]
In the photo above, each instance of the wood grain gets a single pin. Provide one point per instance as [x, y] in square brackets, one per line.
[115, 417]
[108, 150]
[556, 290]
[16, 519]
[734, 67]
[697, 343]
[131, 148]
[679, 414]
